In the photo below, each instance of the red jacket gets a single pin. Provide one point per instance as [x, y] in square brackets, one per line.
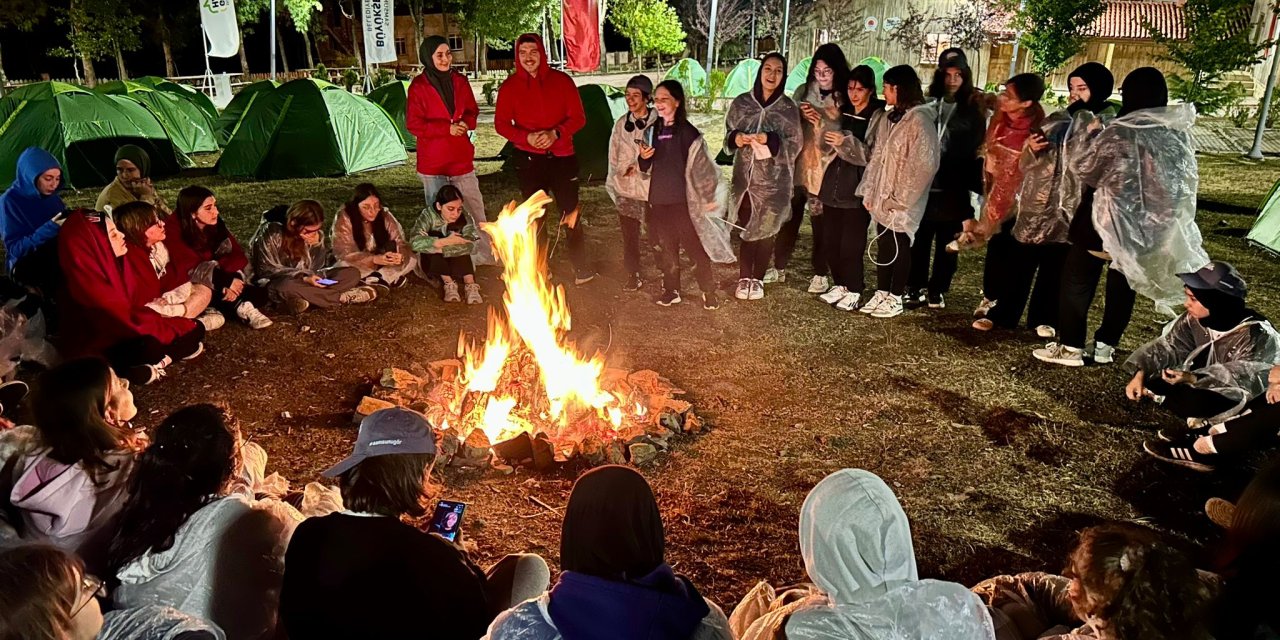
[185, 257]
[548, 102]
[439, 153]
[99, 293]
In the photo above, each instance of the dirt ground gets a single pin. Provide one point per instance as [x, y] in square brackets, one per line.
[998, 459]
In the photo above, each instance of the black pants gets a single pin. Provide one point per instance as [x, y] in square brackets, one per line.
[1255, 427]
[1080, 276]
[674, 228]
[893, 260]
[144, 350]
[932, 237]
[258, 296]
[790, 233]
[1000, 255]
[630, 244]
[40, 269]
[457, 267]
[753, 256]
[1041, 263]
[845, 244]
[557, 176]
[1186, 401]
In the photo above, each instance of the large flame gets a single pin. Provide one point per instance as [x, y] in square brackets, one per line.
[529, 344]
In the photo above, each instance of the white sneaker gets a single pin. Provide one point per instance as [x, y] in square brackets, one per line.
[819, 284]
[984, 308]
[836, 294]
[212, 319]
[875, 302]
[451, 292]
[890, 307]
[1055, 353]
[1047, 332]
[358, 295]
[743, 292]
[472, 290]
[849, 302]
[250, 314]
[1103, 353]
[772, 275]
[757, 290]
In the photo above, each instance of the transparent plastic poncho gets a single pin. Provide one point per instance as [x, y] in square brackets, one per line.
[154, 622]
[904, 160]
[1143, 166]
[768, 182]
[1051, 189]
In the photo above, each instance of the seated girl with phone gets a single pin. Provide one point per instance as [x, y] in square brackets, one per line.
[445, 237]
[291, 261]
[366, 236]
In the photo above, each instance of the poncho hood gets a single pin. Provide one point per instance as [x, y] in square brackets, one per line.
[1100, 82]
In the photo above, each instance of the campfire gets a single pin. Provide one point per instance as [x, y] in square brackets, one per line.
[526, 395]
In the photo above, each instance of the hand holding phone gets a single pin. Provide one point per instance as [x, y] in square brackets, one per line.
[447, 521]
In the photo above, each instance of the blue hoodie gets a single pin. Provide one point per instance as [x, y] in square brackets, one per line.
[26, 217]
[659, 606]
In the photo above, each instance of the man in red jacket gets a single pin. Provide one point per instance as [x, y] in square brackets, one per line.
[539, 111]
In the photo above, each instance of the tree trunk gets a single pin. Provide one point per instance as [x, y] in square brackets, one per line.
[355, 35]
[124, 73]
[166, 44]
[90, 76]
[3, 78]
[306, 41]
[244, 60]
[284, 61]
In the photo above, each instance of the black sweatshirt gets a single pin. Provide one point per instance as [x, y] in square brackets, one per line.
[349, 576]
[667, 184]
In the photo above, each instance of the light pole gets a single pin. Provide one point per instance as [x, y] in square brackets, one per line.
[272, 20]
[786, 24]
[711, 36]
[1256, 152]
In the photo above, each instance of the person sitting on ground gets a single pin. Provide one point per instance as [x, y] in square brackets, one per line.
[615, 582]
[164, 284]
[196, 235]
[857, 549]
[64, 479]
[1253, 428]
[192, 537]
[366, 236]
[132, 183]
[290, 260]
[46, 593]
[445, 237]
[1248, 561]
[343, 566]
[1122, 583]
[1206, 365]
[100, 291]
[30, 212]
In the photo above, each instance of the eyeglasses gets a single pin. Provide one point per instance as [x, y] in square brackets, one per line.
[824, 72]
[93, 586]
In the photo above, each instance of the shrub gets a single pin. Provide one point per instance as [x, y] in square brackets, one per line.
[716, 81]
[1240, 116]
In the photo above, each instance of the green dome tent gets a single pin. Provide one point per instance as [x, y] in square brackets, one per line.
[877, 65]
[230, 117]
[190, 128]
[742, 78]
[603, 105]
[83, 130]
[798, 75]
[394, 97]
[189, 93]
[1266, 229]
[691, 76]
[308, 128]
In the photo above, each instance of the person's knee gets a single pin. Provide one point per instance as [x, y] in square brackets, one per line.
[198, 301]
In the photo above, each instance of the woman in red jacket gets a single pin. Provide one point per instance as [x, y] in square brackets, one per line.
[441, 113]
[100, 288]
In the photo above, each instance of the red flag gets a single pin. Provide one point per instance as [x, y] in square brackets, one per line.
[582, 34]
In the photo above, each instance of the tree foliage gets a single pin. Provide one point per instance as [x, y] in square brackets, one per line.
[651, 25]
[98, 28]
[22, 15]
[500, 22]
[1055, 30]
[301, 12]
[1217, 42]
[733, 17]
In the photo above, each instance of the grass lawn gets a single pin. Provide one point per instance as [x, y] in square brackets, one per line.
[997, 458]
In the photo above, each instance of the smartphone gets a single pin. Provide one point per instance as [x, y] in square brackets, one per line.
[327, 282]
[648, 135]
[448, 519]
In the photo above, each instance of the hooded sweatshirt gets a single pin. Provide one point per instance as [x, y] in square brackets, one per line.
[436, 100]
[26, 217]
[549, 101]
[856, 544]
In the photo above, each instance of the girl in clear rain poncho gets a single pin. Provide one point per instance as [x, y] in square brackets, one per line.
[764, 134]
[291, 261]
[368, 237]
[857, 549]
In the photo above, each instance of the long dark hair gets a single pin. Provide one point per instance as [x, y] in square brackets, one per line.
[381, 238]
[391, 485]
[303, 213]
[190, 200]
[676, 90]
[1250, 559]
[194, 453]
[831, 54]
[865, 76]
[69, 406]
[904, 79]
[964, 95]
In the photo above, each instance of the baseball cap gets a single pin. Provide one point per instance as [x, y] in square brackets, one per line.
[1217, 276]
[386, 432]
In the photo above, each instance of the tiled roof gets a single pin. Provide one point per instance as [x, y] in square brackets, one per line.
[1123, 20]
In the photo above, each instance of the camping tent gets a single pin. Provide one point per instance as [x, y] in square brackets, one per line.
[603, 105]
[83, 130]
[189, 126]
[798, 75]
[308, 128]
[691, 76]
[230, 118]
[200, 99]
[742, 78]
[877, 65]
[1266, 229]
[394, 97]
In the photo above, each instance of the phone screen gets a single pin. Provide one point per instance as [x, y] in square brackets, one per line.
[448, 519]
[327, 282]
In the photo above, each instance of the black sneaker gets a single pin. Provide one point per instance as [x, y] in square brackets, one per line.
[1178, 435]
[1180, 455]
[710, 302]
[633, 283]
[11, 395]
[669, 298]
[143, 374]
[915, 299]
[377, 283]
[936, 301]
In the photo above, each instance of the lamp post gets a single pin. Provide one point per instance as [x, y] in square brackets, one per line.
[711, 36]
[786, 25]
[273, 39]
[1256, 152]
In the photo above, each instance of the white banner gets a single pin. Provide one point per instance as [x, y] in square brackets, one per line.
[379, 32]
[218, 17]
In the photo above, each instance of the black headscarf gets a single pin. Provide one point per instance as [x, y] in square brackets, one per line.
[1100, 82]
[953, 53]
[1143, 88]
[833, 56]
[1226, 311]
[612, 528]
[758, 88]
[441, 80]
[138, 156]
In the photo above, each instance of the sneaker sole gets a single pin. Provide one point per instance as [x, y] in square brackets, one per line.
[1194, 466]
[887, 314]
[662, 303]
[937, 306]
[1058, 361]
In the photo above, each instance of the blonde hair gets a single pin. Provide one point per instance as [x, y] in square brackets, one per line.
[39, 586]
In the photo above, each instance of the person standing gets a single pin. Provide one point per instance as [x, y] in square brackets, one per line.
[30, 211]
[764, 132]
[539, 110]
[627, 185]
[441, 113]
